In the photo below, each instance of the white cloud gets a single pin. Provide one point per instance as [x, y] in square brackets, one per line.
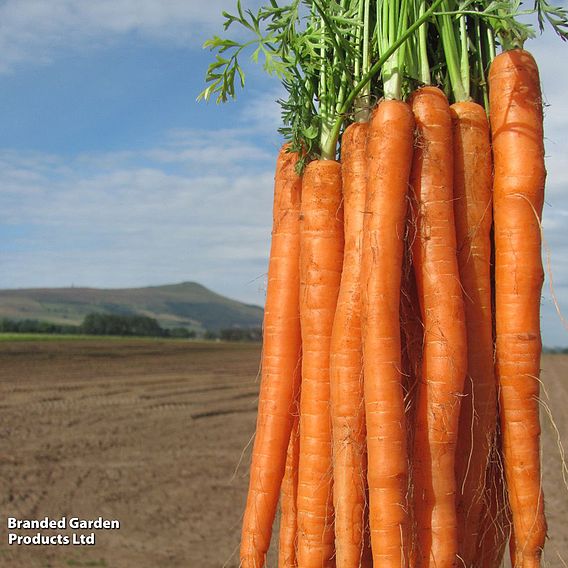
[262, 112]
[202, 147]
[129, 218]
[36, 30]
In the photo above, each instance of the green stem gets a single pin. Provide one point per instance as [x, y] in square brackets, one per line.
[344, 75]
[328, 148]
[464, 64]
[392, 24]
[330, 92]
[423, 64]
[491, 44]
[366, 42]
[452, 55]
[481, 65]
[358, 32]
[362, 102]
[334, 39]
[322, 90]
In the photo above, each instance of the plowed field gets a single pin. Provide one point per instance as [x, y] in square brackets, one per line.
[152, 433]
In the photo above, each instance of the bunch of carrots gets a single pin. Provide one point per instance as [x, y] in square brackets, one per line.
[398, 419]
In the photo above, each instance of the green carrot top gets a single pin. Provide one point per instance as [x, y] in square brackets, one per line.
[334, 57]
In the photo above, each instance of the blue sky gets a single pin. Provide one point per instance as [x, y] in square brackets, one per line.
[111, 175]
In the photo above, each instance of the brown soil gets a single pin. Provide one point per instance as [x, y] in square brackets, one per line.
[152, 433]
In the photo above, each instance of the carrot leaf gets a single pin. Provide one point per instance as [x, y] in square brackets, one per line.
[222, 72]
[556, 16]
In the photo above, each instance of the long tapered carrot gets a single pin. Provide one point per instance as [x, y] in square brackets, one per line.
[518, 149]
[280, 366]
[346, 363]
[321, 258]
[473, 218]
[445, 360]
[389, 151]
[288, 508]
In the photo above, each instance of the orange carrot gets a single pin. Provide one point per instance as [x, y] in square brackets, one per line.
[288, 496]
[321, 257]
[389, 151]
[473, 217]
[280, 366]
[518, 149]
[441, 304]
[346, 364]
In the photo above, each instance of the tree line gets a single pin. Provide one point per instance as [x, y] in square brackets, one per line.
[125, 326]
[555, 350]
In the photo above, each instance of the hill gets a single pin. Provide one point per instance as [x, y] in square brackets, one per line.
[188, 304]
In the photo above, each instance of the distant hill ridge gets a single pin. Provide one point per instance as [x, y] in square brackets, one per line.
[187, 304]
